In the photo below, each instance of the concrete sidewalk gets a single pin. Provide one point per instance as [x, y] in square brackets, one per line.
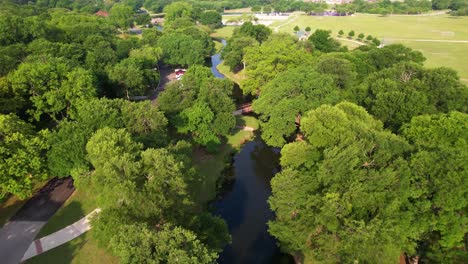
[60, 237]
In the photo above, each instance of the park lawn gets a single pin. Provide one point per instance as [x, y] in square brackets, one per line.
[235, 77]
[81, 250]
[412, 27]
[224, 32]
[76, 207]
[400, 29]
[211, 166]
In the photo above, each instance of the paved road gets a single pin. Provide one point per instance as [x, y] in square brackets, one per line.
[17, 234]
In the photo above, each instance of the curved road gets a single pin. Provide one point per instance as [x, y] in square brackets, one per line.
[17, 234]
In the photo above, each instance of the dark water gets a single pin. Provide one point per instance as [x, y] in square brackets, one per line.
[245, 209]
[215, 61]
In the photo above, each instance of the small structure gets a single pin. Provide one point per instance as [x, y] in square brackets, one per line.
[302, 35]
[179, 73]
[135, 31]
[102, 13]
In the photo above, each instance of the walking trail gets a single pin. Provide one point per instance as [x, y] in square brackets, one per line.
[17, 234]
[60, 237]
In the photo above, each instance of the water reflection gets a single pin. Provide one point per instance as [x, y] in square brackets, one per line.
[246, 210]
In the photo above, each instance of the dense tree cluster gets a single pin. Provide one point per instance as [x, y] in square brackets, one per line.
[385, 7]
[363, 179]
[247, 35]
[67, 85]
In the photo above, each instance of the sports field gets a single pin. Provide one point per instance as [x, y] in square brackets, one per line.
[441, 38]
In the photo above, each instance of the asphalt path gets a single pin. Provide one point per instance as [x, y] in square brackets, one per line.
[17, 234]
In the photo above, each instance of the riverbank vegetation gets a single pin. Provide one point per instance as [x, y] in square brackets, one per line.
[365, 137]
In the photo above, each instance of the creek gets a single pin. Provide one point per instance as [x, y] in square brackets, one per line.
[243, 204]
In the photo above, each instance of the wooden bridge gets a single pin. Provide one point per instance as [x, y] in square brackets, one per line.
[243, 109]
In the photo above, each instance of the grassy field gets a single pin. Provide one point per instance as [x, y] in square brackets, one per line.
[400, 29]
[80, 250]
[224, 32]
[235, 77]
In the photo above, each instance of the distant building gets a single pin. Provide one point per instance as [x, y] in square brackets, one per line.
[102, 13]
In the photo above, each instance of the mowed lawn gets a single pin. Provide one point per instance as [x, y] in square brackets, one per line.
[400, 29]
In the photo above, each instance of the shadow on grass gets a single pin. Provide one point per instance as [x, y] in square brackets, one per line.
[63, 254]
[66, 216]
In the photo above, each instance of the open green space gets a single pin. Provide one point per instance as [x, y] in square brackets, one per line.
[235, 77]
[81, 250]
[400, 29]
[224, 32]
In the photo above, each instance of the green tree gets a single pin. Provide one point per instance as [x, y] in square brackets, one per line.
[369, 38]
[68, 140]
[344, 197]
[146, 123]
[211, 18]
[129, 76]
[308, 29]
[296, 28]
[264, 62]
[115, 158]
[258, 32]
[256, 9]
[376, 41]
[361, 36]
[139, 244]
[122, 16]
[21, 150]
[351, 34]
[233, 53]
[53, 87]
[267, 9]
[177, 10]
[322, 41]
[181, 49]
[439, 173]
[288, 96]
[341, 33]
[342, 70]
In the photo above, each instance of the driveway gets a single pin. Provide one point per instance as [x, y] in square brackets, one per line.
[17, 234]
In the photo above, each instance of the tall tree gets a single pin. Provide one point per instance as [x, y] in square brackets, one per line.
[440, 181]
[343, 199]
[288, 96]
[22, 154]
[139, 244]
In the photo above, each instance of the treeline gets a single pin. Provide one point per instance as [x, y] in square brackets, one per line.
[65, 83]
[374, 148]
[457, 7]
[385, 7]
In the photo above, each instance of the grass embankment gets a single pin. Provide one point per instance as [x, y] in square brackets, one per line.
[211, 166]
[237, 77]
[400, 29]
[224, 32]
